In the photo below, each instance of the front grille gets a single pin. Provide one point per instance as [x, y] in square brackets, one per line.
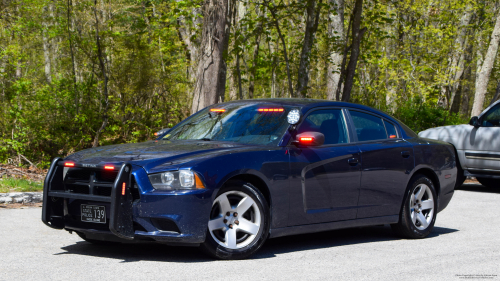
[78, 189]
[78, 180]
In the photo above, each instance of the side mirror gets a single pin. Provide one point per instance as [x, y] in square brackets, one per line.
[474, 121]
[161, 132]
[310, 139]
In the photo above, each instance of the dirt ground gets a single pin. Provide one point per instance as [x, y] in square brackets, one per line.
[32, 173]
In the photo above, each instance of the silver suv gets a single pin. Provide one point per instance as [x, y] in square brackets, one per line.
[477, 145]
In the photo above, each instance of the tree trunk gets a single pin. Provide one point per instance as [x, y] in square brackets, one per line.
[357, 35]
[186, 34]
[72, 57]
[102, 65]
[466, 81]
[312, 21]
[253, 69]
[211, 74]
[280, 35]
[335, 30]
[456, 61]
[47, 18]
[485, 71]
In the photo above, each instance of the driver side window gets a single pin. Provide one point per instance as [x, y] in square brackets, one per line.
[329, 122]
[492, 117]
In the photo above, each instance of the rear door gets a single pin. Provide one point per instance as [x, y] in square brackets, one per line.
[386, 163]
[325, 179]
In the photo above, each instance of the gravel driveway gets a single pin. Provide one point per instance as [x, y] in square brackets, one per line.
[465, 244]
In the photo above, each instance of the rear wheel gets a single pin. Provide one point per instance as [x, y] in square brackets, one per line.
[239, 222]
[418, 213]
[489, 182]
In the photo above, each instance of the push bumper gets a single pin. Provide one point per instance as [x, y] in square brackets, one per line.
[55, 199]
[167, 217]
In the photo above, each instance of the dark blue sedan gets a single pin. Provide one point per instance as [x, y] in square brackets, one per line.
[235, 174]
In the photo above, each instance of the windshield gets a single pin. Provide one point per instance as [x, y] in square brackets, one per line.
[248, 123]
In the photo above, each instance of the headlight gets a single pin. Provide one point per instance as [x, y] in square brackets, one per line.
[183, 179]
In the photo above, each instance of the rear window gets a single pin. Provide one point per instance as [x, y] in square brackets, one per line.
[368, 127]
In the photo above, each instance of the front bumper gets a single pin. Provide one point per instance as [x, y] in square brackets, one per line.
[174, 217]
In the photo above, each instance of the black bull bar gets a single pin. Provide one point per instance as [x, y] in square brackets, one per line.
[55, 198]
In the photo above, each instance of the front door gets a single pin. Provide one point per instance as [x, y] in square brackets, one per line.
[482, 149]
[325, 179]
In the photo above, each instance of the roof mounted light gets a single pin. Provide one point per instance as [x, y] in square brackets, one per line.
[271, 109]
[109, 167]
[221, 110]
[69, 164]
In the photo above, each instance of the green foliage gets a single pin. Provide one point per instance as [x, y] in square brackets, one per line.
[403, 65]
[419, 115]
[19, 185]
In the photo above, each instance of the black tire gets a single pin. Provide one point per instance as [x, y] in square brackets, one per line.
[489, 182]
[406, 228]
[96, 242]
[219, 251]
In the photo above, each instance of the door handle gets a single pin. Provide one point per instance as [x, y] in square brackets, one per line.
[405, 154]
[353, 161]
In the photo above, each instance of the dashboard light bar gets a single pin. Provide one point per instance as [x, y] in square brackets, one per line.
[217, 110]
[109, 167]
[392, 136]
[123, 189]
[271, 109]
[69, 164]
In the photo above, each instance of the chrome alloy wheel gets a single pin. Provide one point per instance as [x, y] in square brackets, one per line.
[421, 206]
[235, 220]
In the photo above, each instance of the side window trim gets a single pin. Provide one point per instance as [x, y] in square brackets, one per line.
[398, 133]
[351, 123]
[350, 135]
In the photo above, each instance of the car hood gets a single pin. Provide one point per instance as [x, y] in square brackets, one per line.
[447, 133]
[150, 153]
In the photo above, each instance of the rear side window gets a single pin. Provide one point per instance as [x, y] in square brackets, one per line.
[391, 130]
[329, 122]
[368, 127]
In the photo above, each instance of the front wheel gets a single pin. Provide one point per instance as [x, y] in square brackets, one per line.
[418, 213]
[489, 182]
[239, 222]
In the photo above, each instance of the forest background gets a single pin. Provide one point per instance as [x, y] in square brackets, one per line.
[78, 74]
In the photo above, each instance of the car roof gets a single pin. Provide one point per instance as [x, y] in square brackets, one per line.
[307, 104]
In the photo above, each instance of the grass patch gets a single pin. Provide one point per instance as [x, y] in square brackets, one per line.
[19, 185]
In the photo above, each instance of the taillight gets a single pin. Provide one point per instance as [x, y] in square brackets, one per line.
[123, 189]
[109, 167]
[69, 164]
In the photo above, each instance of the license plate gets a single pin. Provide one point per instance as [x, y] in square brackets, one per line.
[93, 213]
